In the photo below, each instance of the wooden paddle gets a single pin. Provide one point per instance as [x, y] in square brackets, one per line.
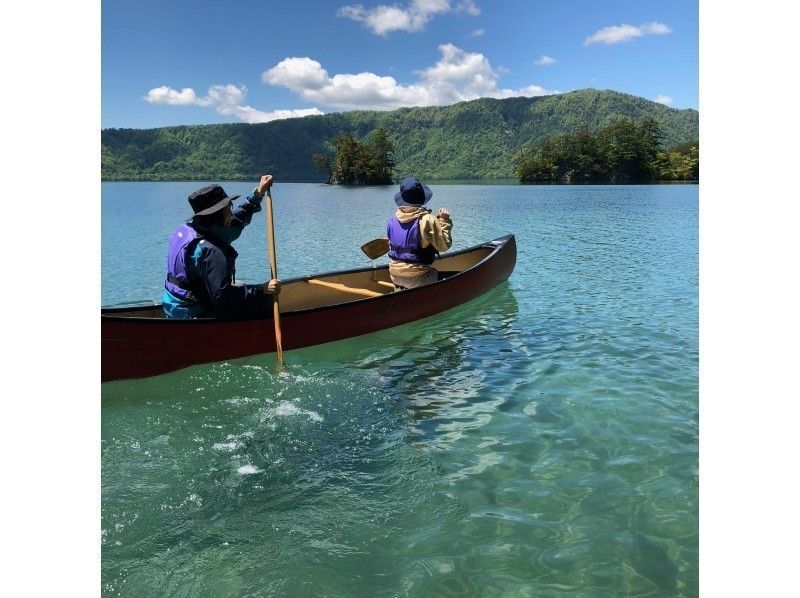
[376, 248]
[273, 266]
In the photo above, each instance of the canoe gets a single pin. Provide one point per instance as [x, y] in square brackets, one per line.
[140, 341]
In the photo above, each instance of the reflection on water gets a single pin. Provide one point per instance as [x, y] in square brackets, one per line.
[448, 359]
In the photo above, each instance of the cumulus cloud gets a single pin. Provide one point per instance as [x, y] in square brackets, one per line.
[172, 97]
[625, 33]
[477, 33]
[228, 100]
[456, 77]
[544, 60]
[662, 99]
[384, 19]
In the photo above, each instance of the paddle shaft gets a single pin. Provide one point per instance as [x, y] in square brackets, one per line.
[273, 266]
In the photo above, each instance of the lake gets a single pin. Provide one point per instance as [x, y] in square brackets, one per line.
[541, 440]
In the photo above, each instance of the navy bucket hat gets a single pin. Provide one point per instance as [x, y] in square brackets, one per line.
[412, 194]
[209, 200]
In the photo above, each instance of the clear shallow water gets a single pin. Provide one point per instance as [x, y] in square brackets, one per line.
[541, 440]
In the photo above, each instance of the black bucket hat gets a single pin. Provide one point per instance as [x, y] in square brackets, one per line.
[412, 193]
[209, 200]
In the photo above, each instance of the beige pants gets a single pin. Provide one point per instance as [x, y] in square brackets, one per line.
[409, 282]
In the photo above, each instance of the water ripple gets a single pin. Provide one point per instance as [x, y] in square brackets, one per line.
[539, 441]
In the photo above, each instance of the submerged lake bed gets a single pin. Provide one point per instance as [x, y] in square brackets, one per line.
[540, 440]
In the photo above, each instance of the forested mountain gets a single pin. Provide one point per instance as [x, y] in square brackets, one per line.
[468, 140]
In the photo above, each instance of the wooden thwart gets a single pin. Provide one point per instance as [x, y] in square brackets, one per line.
[345, 289]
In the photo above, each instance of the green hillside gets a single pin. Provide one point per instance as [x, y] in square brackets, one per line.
[475, 139]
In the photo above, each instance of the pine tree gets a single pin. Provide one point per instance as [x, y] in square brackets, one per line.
[382, 151]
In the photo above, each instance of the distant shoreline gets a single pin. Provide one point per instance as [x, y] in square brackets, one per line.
[427, 181]
[480, 139]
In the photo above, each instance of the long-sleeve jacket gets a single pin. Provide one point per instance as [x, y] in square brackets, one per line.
[211, 271]
[434, 231]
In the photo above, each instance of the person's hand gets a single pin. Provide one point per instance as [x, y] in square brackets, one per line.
[265, 183]
[444, 213]
[273, 287]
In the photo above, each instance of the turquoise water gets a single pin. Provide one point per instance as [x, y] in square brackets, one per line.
[539, 441]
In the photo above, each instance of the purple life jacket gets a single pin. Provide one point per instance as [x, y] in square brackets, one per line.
[183, 240]
[405, 242]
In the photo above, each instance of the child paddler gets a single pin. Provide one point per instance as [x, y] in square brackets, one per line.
[416, 236]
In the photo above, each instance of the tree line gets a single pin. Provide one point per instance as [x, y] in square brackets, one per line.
[624, 152]
[468, 140]
[356, 163]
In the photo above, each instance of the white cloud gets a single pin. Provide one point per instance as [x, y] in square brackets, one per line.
[544, 60]
[228, 100]
[477, 33]
[662, 99]
[297, 73]
[624, 33]
[457, 76]
[468, 7]
[172, 97]
[383, 19]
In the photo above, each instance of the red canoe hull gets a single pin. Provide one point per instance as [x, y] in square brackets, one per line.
[136, 347]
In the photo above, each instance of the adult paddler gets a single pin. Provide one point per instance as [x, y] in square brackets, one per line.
[201, 263]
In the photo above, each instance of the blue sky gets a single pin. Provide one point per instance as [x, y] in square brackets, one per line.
[169, 63]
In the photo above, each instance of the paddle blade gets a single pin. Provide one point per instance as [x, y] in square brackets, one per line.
[375, 248]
